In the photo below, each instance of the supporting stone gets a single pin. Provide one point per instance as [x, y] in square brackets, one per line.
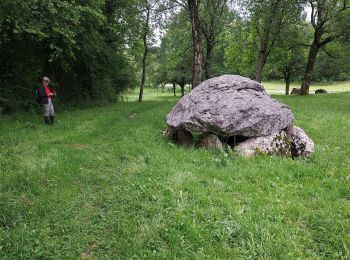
[276, 144]
[210, 141]
[181, 137]
[302, 145]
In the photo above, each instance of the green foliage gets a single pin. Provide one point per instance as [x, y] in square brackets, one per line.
[241, 51]
[289, 56]
[333, 62]
[215, 16]
[75, 190]
[288, 40]
[76, 43]
[175, 54]
[93, 49]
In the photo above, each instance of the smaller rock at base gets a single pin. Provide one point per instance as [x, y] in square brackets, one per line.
[185, 138]
[302, 145]
[181, 137]
[291, 142]
[210, 141]
[276, 144]
[171, 134]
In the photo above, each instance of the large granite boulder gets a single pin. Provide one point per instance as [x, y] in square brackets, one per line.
[238, 112]
[230, 105]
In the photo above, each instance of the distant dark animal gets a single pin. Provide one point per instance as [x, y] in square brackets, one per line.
[295, 91]
[321, 91]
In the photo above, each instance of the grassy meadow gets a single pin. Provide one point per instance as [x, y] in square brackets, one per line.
[278, 87]
[103, 184]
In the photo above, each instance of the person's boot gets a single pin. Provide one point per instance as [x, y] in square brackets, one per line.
[47, 119]
[52, 119]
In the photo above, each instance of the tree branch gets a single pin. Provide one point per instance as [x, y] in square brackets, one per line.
[329, 55]
[328, 40]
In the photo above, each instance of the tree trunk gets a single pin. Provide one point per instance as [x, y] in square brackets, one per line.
[261, 63]
[265, 39]
[287, 80]
[193, 6]
[182, 87]
[305, 85]
[208, 59]
[143, 77]
[145, 52]
[320, 14]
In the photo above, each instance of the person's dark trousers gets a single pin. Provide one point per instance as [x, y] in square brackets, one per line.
[47, 119]
[52, 120]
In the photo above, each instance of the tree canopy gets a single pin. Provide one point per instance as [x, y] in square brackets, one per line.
[95, 50]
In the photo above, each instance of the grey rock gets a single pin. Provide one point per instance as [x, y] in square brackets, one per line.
[181, 137]
[210, 141]
[171, 134]
[275, 144]
[230, 105]
[302, 145]
[291, 142]
[321, 91]
[295, 91]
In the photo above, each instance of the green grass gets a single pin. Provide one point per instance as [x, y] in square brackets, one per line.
[278, 87]
[102, 183]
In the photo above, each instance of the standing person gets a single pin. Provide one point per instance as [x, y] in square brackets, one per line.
[44, 97]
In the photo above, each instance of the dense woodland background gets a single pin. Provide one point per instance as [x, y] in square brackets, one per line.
[94, 50]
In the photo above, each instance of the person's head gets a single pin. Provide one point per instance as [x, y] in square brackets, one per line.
[46, 81]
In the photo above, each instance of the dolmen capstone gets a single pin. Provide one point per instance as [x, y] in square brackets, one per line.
[236, 111]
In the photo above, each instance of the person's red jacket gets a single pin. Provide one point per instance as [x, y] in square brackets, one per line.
[43, 94]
